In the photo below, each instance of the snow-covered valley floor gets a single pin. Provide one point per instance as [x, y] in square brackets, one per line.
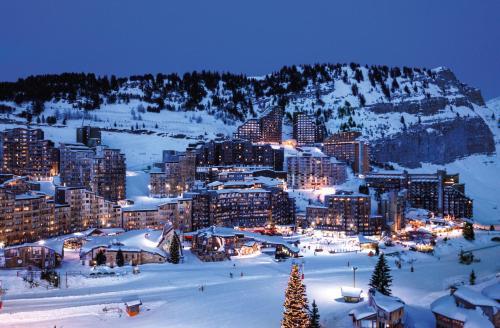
[171, 295]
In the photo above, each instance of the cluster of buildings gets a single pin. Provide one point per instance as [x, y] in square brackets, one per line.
[99, 169]
[241, 182]
[309, 168]
[266, 129]
[25, 152]
[439, 192]
[346, 213]
[92, 181]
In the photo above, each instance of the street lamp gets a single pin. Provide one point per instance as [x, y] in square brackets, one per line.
[354, 274]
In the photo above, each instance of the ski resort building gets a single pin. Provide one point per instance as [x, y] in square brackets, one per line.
[346, 213]
[305, 130]
[465, 307]
[267, 129]
[174, 175]
[98, 169]
[346, 146]
[89, 136]
[311, 169]
[239, 152]
[24, 152]
[220, 243]
[251, 203]
[438, 192]
[381, 311]
[42, 254]
[138, 246]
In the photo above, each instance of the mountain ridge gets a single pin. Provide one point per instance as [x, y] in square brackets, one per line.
[410, 115]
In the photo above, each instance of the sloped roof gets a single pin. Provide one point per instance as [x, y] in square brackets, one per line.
[447, 307]
[146, 240]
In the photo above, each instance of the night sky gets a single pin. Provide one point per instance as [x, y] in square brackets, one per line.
[124, 37]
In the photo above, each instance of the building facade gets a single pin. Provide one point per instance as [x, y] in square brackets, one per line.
[89, 136]
[305, 130]
[239, 153]
[345, 146]
[24, 152]
[438, 192]
[314, 171]
[175, 175]
[344, 212]
[100, 169]
[267, 129]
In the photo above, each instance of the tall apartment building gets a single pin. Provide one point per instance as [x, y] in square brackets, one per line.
[344, 212]
[391, 206]
[75, 165]
[239, 152]
[108, 173]
[98, 169]
[345, 146]
[25, 217]
[313, 170]
[251, 203]
[25, 152]
[305, 130]
[175, 175]
[89, 136]
[266, 129]
[87, 209]
[178, 213]
[438, 192]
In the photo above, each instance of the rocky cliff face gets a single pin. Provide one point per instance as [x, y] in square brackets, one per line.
[437, 143]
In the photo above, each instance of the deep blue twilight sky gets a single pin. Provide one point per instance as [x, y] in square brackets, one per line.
[124, 37]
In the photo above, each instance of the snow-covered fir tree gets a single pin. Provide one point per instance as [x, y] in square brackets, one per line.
[381, 278]
[175, 250]
[296, 313]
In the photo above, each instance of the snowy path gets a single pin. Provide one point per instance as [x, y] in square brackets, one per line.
[254, 300]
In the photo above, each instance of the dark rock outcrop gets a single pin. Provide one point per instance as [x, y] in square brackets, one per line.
[438, 143]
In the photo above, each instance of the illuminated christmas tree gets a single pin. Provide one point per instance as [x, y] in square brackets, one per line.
[296, 313]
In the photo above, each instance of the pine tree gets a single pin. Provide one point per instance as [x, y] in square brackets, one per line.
[314, 318]
[468, 231]
[472, 278]
[100, 258]
[296, 313]
[381, 278]
[175, 250]
[120, 261]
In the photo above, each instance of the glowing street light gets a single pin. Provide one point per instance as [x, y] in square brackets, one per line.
[354, 273]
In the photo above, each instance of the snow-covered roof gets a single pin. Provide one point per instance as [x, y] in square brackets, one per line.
[229, 232]
[363, 240]
[492, 291]
[133, 303]
[250, 190]
[447, 307]
[387, 303]
[362, 312]
[474, 297]
[350, 291]
[146, 240]
[55, 244]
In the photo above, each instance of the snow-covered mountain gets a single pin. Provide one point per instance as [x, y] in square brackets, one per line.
[410, 115]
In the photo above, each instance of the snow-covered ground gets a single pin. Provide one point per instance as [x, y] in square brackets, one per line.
[171, 297]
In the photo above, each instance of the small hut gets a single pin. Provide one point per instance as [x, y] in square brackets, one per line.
[351, 294]
[133, 307]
